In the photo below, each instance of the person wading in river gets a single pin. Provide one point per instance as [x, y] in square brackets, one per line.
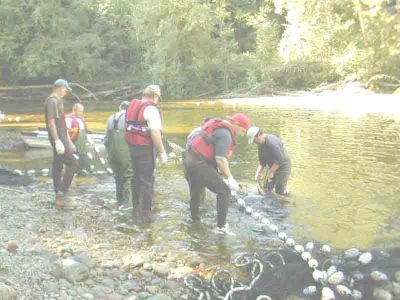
[63, 148]
[271, 152]
[77, 131]
[143, 135]
[119, 157]
[206, 164]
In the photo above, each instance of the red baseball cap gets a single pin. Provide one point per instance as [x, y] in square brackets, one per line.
[241, 119]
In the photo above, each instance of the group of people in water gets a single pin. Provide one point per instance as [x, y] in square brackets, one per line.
[133, 139]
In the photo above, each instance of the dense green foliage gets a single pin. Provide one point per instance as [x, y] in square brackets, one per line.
[191, 47]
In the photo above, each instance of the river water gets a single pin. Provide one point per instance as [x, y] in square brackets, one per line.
[345, 179]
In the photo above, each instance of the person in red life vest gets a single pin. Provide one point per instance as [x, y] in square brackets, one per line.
[77, 131]
[206, 164]
[144, 137]
[63, 148]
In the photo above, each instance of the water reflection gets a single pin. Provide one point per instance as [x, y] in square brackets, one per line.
[345, 178]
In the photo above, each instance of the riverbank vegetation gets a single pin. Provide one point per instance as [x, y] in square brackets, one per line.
[196, 48]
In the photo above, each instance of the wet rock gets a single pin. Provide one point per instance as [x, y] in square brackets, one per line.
[151, 289]
[195, 261]
[108, 283]
[381, 294]
[172, 285]
[88, 296]
[136, 259]
[72, 270]
[7, 292]
[100, 292]
[160, 297]
[147, 266]
[12, 246]
[397, 276]
[180, 272]
[161, 269]
[50, 287]
[131, 286]
[115, 297]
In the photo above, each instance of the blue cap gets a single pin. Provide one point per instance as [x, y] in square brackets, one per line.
[62, 82]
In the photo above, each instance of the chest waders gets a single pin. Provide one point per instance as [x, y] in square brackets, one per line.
[120, 162]
[81, 149]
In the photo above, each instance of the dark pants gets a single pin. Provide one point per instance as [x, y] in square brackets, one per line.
[281, 177]
[200, 175]
[143, 164]
[62, 181]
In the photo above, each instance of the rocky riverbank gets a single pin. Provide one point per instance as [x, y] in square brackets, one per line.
[48, 253]
[11, 140]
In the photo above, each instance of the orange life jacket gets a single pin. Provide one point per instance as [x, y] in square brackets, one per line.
[137, 130]
[74, 130]
[202, 143]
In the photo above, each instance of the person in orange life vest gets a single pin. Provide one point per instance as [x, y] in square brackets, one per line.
[77, 130]
[64, 162]
[206, 164]
[144, 137]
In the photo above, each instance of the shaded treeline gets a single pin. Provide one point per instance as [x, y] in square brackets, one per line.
[199, 47]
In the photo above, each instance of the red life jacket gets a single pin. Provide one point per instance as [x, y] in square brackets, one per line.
[74, 130]
[137, 130]
[201, 142]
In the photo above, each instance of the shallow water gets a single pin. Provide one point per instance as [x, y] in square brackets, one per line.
[345, 177]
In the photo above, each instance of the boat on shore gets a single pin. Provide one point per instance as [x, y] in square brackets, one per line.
[39, 139]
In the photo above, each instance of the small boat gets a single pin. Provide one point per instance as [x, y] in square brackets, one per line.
[39, 139]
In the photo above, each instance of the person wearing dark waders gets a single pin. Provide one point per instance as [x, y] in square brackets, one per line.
[119, 157]
[206, 164]
[271, 153]
[144, 137]
[77, 131]
[64, 162]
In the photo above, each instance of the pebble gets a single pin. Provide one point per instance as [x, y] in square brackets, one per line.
[12, 246]
[7, 292]
[381, 294]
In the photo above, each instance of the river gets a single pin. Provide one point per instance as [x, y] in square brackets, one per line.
[345, 180]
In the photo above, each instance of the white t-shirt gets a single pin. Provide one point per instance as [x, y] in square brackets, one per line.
[68, 122]
[152, 116]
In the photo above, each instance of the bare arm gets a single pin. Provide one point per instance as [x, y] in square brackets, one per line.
[259, 171]
[271, 171]
[53, 129]
[157, 140]
[223, 166]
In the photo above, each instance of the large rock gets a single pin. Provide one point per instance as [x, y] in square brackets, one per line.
[7, 292]
[136, 259]
[71, 270]
[162, 269]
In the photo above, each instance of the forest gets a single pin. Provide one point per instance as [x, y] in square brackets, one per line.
[198, 47]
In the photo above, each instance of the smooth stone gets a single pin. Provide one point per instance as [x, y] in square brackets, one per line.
[108, 283]
[12, 246]
[115, 297]
[161, 269]
[73, 271]
[50, 287]
[88, 296]
[136, 259]
[7, 292]
[381, 294]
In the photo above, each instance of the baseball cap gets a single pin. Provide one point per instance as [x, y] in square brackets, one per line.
[251, 133]
[152, 90]
[241, 119]
[62, 82]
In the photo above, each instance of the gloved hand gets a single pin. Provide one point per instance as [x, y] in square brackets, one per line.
[60, 149]
[163, 158]
[232, 184]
